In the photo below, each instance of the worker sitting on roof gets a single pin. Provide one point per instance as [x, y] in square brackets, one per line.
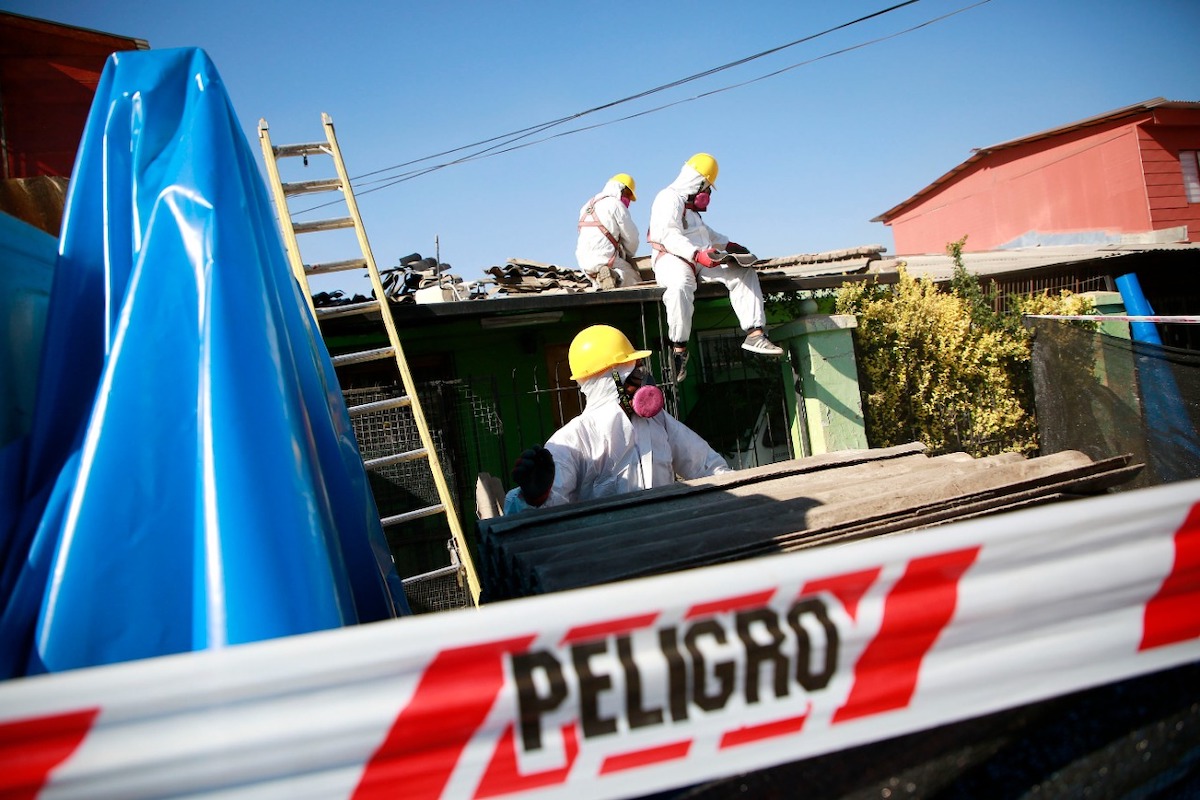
[624, 440]
[608, 238]
[684, 249]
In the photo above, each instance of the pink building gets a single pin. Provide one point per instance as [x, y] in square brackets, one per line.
[1117, 175]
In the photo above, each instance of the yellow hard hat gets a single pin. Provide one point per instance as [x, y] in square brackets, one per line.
[627, 181]
[706, 165]
[598, 348]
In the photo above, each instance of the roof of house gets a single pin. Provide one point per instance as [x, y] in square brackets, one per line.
[983, 152]
[28, 35]
[423, 289]
[940, 266]
[522, 286]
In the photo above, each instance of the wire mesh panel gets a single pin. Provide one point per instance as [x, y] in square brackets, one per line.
[420, 546]
[441, 590]
[1107, 396]
[406, 485]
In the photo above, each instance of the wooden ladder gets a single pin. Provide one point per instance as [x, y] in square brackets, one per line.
[460, 554]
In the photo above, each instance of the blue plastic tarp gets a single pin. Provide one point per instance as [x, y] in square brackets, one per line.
[192, 479]
[27, 258]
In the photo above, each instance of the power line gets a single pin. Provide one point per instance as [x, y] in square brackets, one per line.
[533, 129]
[513, 141]
[418, 173]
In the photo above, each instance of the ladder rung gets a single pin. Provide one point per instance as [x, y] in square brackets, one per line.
[347, 310]
[311, 187]
[363, 356]
[323, 225]
[380, 405]
[335, 266]
[420, 513]
[395, 458]
[437, 573]
[290, 150]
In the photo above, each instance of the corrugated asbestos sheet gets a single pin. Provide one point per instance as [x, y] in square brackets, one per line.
[813, 502]
[940, 267]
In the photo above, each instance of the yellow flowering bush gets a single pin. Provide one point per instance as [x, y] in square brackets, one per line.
[942, 367]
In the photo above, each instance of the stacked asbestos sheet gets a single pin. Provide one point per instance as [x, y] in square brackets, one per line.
[812, 502]
[521, 276]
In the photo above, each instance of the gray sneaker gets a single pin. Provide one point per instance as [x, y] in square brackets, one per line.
[605, 279]
[679, 365]
[761, 345]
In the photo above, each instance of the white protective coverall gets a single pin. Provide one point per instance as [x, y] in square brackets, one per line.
[676, 232]
[607, 236]
[603, 452]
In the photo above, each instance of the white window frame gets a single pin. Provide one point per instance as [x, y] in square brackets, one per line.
[1189, 164]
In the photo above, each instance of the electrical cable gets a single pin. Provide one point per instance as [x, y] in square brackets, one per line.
[523, 132]
[516, 144]
[701, 96]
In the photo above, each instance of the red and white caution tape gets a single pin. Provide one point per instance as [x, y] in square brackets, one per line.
[630, 688]
[1114, 318]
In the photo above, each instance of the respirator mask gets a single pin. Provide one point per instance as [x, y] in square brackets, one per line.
[637, 392]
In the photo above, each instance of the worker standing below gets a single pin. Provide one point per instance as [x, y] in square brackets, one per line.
[608, 237]
[684, 248]
[623, 441]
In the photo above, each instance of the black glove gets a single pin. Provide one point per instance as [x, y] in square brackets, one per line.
[736, 249]
[534, 473]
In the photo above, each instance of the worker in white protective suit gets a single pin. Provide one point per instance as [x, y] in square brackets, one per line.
[623, 441]
[684, 249]
[608, 237]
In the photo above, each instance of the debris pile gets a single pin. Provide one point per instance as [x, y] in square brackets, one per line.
[521, 276]
[401, 283]
[337, 298]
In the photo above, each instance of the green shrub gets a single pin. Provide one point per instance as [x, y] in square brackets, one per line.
[944, 367]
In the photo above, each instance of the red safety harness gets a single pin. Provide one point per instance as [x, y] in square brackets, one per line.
[595, 222]
[658, 246]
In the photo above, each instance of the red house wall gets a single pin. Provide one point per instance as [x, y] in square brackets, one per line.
[1160, 146]
[48, 75]
[1090, 179]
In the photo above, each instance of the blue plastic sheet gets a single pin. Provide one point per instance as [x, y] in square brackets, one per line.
[192, 477]
[27, 258]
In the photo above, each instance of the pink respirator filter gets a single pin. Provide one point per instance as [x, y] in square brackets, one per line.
[647, 401]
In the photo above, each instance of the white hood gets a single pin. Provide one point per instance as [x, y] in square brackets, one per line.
[687, 183]
[676, 228]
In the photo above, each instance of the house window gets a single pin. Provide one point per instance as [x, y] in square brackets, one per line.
[1191, 175]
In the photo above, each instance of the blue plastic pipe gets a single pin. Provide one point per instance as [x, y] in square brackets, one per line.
[1137, 305]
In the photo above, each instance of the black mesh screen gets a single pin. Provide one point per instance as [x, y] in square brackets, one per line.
[1105, 396]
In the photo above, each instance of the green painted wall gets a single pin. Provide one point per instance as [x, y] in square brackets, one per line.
[821, 347]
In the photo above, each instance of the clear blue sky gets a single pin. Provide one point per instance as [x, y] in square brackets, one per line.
[807, 157]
